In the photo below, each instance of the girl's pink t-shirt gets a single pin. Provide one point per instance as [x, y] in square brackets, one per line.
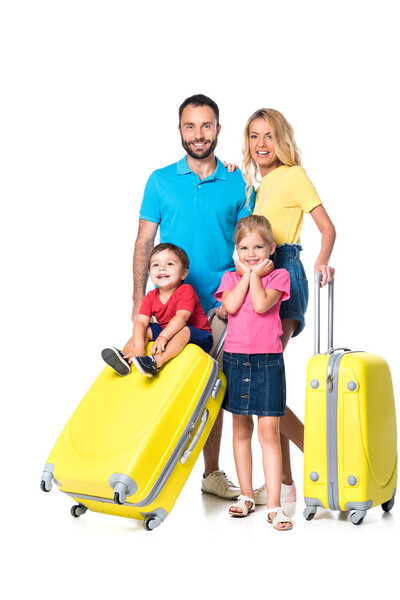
[250, 332]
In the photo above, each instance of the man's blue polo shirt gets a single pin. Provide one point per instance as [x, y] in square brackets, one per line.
[200, 217]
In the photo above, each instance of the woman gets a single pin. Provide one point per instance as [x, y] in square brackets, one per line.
[284, 195]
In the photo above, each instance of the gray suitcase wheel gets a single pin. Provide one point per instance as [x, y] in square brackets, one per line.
[309, 512]
[387, 506]
[357, 517]
[43, 486]
[77, 510]
[46, 481]
[117, 498]
[151, 523]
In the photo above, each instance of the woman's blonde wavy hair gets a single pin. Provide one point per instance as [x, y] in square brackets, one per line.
[286, 148]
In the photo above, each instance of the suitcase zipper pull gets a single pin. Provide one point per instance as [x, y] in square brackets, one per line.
[329, 381]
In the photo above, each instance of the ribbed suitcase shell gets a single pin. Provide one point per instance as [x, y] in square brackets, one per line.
[350, 445]
[138, 427]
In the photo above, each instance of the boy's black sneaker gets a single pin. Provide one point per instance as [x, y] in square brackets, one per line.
[115, 359]
[145, 365]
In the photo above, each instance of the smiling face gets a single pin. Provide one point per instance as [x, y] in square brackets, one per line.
[199, 131]
[253, 249]
[261, 144]
[166, 270]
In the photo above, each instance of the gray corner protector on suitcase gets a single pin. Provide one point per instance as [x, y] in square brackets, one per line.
[313, 502]
[359, 505]
[177, 452]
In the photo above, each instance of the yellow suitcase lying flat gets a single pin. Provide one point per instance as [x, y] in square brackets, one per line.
[132, 442]
[350, 439]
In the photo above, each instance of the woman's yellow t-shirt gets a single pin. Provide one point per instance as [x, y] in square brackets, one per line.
[283, 197]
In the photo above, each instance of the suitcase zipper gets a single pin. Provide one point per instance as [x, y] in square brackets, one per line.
[331, 429]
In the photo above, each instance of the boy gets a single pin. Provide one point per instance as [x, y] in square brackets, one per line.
[175, 305]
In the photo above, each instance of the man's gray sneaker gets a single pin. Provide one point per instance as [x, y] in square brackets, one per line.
[217, 484]
[115, 359]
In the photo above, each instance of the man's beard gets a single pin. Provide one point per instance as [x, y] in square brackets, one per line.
[199, 155]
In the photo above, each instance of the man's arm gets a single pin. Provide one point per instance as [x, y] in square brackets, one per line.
[143, 245]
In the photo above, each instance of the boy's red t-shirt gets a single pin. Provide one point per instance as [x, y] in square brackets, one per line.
[183, 298]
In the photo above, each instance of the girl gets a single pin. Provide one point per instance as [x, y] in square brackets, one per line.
[253, 362]
[283, 197]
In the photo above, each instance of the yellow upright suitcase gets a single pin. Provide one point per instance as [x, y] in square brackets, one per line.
[350, 439]
[132, 442]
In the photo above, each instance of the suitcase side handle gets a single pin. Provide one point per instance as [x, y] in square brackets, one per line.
[317, 313]
[203, 423]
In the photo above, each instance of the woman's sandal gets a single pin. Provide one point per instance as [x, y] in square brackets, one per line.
[281, 517]
[241, 503]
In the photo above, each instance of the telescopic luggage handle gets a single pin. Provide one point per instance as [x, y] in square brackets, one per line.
[212, 313]
[317, 313]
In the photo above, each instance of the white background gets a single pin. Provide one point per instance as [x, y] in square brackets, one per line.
[90, 92]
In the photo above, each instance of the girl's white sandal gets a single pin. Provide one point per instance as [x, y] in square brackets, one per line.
[241, 503]
[281, 517]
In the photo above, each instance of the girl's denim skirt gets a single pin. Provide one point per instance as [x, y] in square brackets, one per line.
[288, 257]
[256, 384]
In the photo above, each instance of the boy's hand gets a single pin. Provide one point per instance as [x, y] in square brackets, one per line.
[241, 269]
[159, 345]
[264, 268]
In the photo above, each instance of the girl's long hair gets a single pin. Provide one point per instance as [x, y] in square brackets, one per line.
[286, 148]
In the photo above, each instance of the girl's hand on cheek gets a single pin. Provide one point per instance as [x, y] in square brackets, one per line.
[264, 268]
[241, 269]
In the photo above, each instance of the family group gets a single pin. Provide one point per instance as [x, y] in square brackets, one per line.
[205, 210]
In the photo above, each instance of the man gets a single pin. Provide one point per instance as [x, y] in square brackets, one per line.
[196, 203]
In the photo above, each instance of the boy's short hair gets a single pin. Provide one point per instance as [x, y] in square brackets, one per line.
[179, 253]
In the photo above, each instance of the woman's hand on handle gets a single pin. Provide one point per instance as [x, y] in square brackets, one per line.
[327, 273]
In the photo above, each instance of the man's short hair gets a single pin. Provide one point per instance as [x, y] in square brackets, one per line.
[179, 253]
[199, 100]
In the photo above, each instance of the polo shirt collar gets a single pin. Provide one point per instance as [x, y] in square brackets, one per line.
[182, 168]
